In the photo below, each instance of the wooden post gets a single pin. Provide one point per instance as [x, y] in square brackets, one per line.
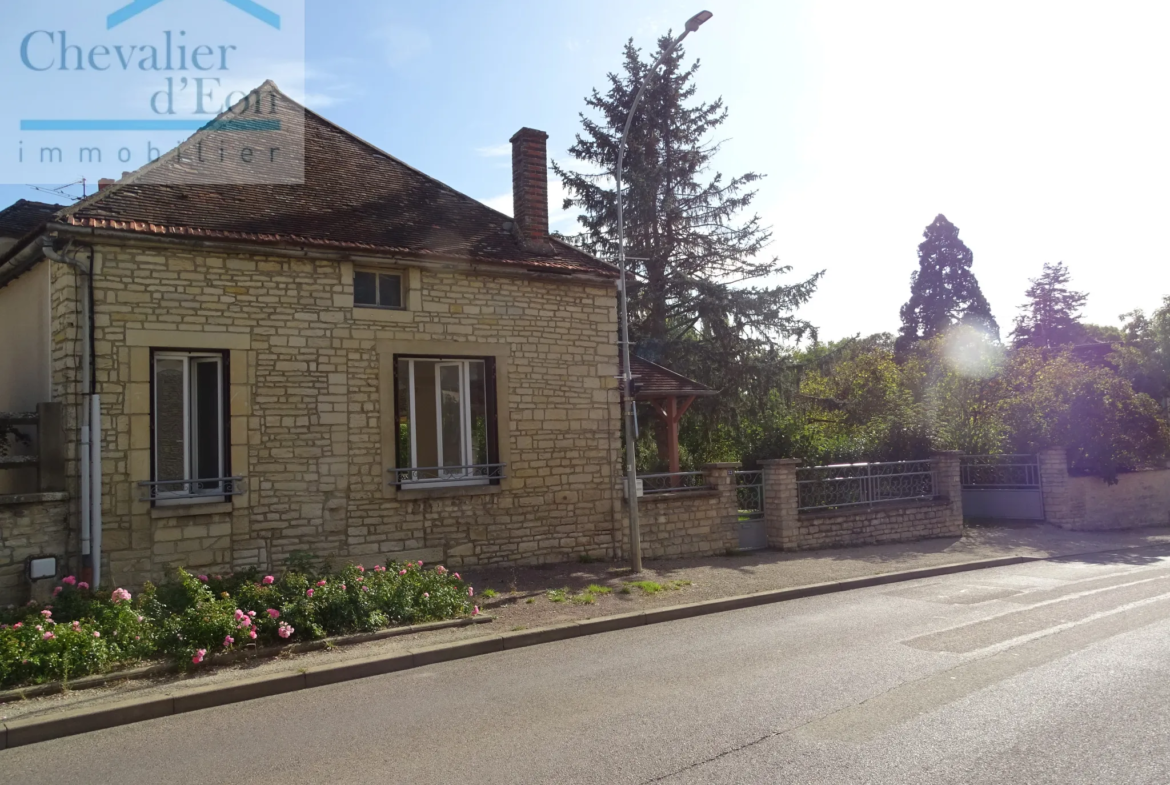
[50, 448]
[672, 437]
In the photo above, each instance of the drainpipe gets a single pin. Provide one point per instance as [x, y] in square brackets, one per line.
[89, 428]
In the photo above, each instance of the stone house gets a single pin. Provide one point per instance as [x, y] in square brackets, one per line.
[368, 365]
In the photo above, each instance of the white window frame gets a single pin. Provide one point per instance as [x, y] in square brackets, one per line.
[466, 477]
[402, 284]
[189, 439]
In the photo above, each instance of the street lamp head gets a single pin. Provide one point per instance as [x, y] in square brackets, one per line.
[695, 21]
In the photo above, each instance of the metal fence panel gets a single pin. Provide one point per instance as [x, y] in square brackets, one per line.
[749, 494]
[851, 484]
[1000, 471]
[672, 481]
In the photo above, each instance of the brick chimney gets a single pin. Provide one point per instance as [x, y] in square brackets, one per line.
[105, 183]
[530, 189]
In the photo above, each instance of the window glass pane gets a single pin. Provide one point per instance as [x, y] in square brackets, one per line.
[479, 413]
[402, 381]
[206, 425]
[169, 421]
[425, 417]
[365, 288]
[451, 402]
[390, 290]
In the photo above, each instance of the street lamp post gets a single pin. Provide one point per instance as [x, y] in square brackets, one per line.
[627, 376]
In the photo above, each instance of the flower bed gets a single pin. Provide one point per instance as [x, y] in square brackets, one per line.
[194, 617]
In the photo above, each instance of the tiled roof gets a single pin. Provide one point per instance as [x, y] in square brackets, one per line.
[654, 381]
[24, 216]
[354, 197]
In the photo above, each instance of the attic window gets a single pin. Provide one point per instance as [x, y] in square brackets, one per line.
[378, 289]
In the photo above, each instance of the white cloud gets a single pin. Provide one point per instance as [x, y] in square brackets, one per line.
[558, 218]
[495, 151]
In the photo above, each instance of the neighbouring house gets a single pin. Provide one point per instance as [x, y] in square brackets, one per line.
[369, 365]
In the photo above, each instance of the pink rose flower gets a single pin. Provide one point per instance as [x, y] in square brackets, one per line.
[420, 563]
[475, 611]
[440, 569]
[199, 655]
[57, 590]
[97, 634]
[361, 568]
[343, 587]
[141, 619]
[252, 635]
[83, 585]
[320, 583]
[426, 595]
[69, 580]
[457, 576]
[77, 625]
[48, 636]
[309, 593]
[46, 613]
[273, 613]
[203, 578]
[268, 580]
[402, 572]
[228, 641]
[245, 622]
[470, 591]
[120, 595]
[239, 614]
[18, 625]
[365, 588]
[285, 630]
[252, 614]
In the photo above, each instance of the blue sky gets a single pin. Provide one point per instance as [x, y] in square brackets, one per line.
[1038, 128]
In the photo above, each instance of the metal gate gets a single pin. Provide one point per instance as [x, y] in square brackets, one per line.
[749, 491]
[1002, 487]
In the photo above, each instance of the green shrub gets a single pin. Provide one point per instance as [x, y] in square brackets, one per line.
[193, 617]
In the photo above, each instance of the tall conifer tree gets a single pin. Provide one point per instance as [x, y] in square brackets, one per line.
[697, 301]
[1051, 317]
[943, 291]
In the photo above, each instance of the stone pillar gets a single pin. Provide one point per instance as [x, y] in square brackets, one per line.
[948, 484]
[780, 503]
[1054, 484]
[721, 477]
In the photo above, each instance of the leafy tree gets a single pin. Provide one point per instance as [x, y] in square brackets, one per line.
[1091, 411]
[697, 302]
[1143, 352]
[943, 291]
[1051, 317]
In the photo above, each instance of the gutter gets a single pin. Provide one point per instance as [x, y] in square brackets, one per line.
[90, 420]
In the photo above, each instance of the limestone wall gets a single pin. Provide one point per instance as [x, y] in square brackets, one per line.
[791, 528]
[311, 410]
[30, 525]
[699, 522]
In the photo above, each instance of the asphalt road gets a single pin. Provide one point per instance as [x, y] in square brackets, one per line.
[1054, 672]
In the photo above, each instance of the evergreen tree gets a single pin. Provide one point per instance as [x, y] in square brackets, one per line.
[1051, 317]
[943, 291]
[696, 302]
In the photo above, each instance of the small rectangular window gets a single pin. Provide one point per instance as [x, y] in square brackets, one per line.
[188, 417]
[377, 289]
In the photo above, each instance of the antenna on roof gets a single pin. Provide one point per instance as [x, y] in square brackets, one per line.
[59, 191]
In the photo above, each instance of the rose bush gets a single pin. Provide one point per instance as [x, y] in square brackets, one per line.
[193, 617]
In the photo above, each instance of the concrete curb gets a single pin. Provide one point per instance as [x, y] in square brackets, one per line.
[22, 732]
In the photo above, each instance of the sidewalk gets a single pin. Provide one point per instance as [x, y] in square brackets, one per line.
[530, 597]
